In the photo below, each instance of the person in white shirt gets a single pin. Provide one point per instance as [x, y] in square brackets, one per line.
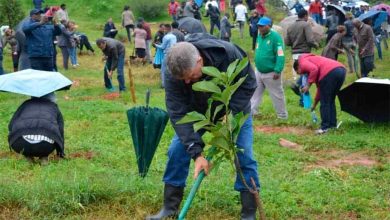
[240, 16]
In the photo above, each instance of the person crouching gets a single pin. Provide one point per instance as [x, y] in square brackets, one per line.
[37, 129]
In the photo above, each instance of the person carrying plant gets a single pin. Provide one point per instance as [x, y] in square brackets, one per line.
[184, 63]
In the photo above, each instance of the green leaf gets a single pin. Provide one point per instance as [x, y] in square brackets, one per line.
[241, 65]
[206, 86]
[226, 95]
[220, 142]
[201, 124]
[231, 68]
[208, 111]
[240, 119]
[236, 85]
[191, 117]
[217, 109]
[212, 71]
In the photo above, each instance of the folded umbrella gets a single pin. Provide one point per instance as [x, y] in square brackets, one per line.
[367, 99]
[146, 126]
[34, 83]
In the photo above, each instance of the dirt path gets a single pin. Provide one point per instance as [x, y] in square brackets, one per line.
[267, 129]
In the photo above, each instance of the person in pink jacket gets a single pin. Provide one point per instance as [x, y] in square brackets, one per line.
[329, 76]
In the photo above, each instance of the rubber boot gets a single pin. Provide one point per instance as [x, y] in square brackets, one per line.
[172, 199]
[249, 206]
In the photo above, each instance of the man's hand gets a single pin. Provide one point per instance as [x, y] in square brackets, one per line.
[201, 164]
[305, 89]
[276, 76]
[44, 19]
[109, 74]
[361, 52]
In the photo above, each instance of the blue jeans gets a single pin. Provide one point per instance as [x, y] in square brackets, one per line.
[378, 40]
[1, 61]
[329, 87]
[316, 18]
[179, 160]
[120, 77]
[72, 55]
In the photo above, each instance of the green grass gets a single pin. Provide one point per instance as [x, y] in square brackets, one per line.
[107, 186]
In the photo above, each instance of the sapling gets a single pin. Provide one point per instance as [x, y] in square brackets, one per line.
[220, 122]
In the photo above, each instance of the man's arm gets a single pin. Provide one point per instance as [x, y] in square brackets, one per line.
[178, 105]
[370, 40]
[30, 26]
[278, 49]
[114, 56]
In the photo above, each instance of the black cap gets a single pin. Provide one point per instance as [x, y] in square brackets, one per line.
[35, 11]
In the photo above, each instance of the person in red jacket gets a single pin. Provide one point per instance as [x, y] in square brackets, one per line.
[315, 11]
[173, 8]
[260, 7]
[329, 76]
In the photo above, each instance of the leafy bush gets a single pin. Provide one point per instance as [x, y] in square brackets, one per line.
[149, 9]
[10, 12]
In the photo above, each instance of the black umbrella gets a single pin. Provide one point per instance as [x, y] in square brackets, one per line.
[146, 126]
[189, 25]
[340, 12]
[367, 99]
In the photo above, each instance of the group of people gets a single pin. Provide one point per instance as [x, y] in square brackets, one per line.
[181, 59]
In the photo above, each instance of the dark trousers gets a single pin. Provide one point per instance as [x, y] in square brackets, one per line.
[366, 65]
[1, 61]
[65, 57]
[85, 42]
[15, 61]
[42, 63]
[214, 23]
[329, 87]
[120, 70]
[55, 58]
[128, 27]
[42, 149]
[254, 38]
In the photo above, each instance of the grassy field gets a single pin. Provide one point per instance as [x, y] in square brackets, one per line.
[344, 174]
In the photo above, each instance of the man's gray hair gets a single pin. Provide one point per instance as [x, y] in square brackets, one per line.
[181, 58]
[356, 21]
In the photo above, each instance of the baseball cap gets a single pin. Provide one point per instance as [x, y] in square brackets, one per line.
[264, 21]
[35, 11]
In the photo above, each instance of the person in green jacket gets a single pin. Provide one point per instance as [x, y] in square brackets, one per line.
[269, 61]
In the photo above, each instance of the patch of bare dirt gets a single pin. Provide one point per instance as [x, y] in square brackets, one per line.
[334, 159]
[6, 154]
[111, 96]
[76, 83]
[289, 144]
[85, 155]
[266, 129]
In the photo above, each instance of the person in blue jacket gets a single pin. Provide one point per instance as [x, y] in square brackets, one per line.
[39, 39]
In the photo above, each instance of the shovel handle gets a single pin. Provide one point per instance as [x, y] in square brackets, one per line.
[191, 196]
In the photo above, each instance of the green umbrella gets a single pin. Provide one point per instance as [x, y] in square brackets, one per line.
[146, 126]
